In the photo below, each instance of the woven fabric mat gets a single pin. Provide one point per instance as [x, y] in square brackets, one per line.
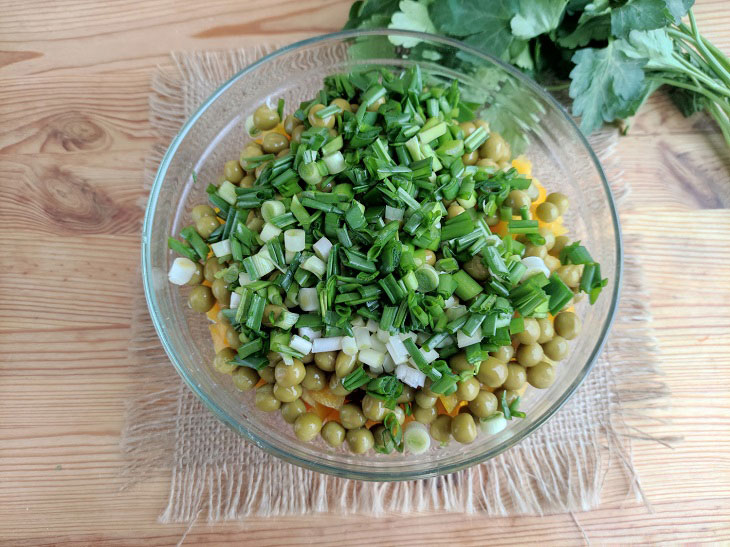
[216, 475]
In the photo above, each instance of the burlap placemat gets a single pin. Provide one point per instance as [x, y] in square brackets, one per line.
[214, 474]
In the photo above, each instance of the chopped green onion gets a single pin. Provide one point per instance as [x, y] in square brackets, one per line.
[357, 378]
[432, 133]
[182, 249]
[328, 111]
[256, 312]
[271, 209]
[522, 227]
[466, 286]
[476, 139]
[196, 242]
[427, 278]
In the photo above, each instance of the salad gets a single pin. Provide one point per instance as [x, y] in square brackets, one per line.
[381, 271]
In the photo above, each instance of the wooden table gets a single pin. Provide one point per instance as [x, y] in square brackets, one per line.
[74, 79]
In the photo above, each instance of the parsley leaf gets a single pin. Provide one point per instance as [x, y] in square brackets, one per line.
[535, 17]
[678, 9]
[488, 18]
[606, 84]
[639, 15]
[590, 28]
[412, 16]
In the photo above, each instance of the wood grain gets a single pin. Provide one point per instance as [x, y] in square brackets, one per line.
[74, 135]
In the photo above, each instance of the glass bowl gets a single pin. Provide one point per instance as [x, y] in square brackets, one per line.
[531, 119]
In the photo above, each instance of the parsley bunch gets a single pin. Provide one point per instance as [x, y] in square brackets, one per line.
[615, 53]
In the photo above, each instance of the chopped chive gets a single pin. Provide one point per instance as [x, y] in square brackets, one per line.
[328, 111]
[522, 227]
[466, 286]
[181, 249]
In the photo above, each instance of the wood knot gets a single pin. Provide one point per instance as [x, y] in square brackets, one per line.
[75, 132]
[72, 203]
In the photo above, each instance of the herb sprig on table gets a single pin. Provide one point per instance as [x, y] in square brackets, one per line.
[615, 53]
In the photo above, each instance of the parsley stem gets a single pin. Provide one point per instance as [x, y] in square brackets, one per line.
[721, 72]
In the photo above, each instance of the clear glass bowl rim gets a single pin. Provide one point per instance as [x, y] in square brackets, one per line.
[329, 467]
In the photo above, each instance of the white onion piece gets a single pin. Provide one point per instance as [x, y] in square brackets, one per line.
[310, 333]
[493, 424]
[297, 343]
[268, 232]
[377, 345]
[397, 350]
[534, 265]
[181, 271]
[362, 337]
[411, 376]
[450, 302]
[221, 248]
[430, 356]
[349, 345]
[372, 358]
[392, 213]
[321, 345]
[416, 438]
[322, 248]
[294, 240]
[462, 340]
[315, 265]
[389, 365]
[308, 299]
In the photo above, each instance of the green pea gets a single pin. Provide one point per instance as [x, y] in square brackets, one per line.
[531, 332]
[425, 415]
[541, 375]
[265, 118]
[200, 211]
[547, 212]
[567, 325]
[484, 404]
[351, 416]
[360, 440]
[232, 171]
[492, 372]
[287, 394]
[547, 331]
[314, 378]
[516, 377]
[206, 226]
[373, 409]
[265, 400]
[463, 428]
[468, 389]
[441, 428]
[556, 349]
[307, 426]
[528, 355]
[197, 278]
[201, 299]
[291, 411]
[222, 361]
[333, 433]
[221, 292]
[212, 267]
[289, 375]
[245, 378]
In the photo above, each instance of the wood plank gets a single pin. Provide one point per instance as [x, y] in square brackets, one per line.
[75, 37]
[94, 113]
[78, 194]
